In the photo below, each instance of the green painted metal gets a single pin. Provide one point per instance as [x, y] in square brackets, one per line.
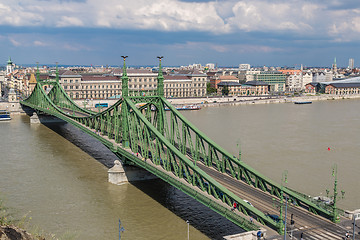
[336, 217]
[223, 161]
[160, 79]
[168, 146]
[37, 73]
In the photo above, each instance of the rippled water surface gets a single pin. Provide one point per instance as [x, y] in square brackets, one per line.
[58, 176]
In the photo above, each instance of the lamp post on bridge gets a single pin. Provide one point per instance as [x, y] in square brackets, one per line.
[239, 147]
[283, 180]
[188, 229]
[336, 217]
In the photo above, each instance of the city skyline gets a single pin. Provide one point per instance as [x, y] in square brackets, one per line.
[227, 33]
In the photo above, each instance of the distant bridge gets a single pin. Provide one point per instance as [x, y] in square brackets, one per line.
[137, 128]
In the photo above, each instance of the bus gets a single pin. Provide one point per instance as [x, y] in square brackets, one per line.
[101, 105]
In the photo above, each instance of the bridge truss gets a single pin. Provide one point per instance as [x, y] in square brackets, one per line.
[169, 147]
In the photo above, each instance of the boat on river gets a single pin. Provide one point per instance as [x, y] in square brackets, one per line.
[4, 115]
[303, 102]
[186, 107]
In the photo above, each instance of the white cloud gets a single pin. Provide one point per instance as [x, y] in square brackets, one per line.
[39, 43]
[303, 17]
[66, 21]
[226, 48]
[14, 42]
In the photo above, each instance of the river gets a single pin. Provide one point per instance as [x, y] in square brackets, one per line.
[58, 175]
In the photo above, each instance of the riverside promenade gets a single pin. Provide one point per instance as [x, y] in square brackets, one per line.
[205, 101]
[236, 100]
[233, 100]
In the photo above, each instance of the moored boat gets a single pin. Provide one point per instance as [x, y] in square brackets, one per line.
[303, 102]
[4, 115]
[186, 107]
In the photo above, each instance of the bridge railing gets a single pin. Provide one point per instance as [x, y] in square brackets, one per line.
[59, 97]
[173, 143]
[147, 140]
[191, 141]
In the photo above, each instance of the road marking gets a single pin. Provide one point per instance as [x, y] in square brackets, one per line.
[327, 236]
[312, 237]
[332, 236]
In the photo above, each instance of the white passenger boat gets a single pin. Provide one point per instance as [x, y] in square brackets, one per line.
[4, 115]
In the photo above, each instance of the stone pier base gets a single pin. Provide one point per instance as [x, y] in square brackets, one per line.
[120, 174]
[251, 235]
[34, 118]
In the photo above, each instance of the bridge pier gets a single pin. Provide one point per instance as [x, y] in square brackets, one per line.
[36, 118]
[120, 174]
[251, 235]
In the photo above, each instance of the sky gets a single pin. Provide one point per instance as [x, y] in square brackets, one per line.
[223, 32]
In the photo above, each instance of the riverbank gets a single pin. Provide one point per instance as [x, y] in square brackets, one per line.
[208, 101]
[219, 101]
[233, 100]
[11, 232]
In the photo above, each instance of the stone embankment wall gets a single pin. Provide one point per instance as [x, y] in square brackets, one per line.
[204, 102]
[12, 107]
[218, 101]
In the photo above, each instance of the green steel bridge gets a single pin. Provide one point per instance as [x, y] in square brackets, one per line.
[173, 148]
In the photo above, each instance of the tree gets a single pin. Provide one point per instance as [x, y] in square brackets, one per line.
[210, 89]
[225, 90]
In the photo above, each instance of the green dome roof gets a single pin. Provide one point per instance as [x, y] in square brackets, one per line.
[9, 61]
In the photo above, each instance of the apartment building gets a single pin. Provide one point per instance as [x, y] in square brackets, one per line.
[177, 86]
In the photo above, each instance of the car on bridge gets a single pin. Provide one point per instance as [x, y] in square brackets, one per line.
[248, 202]
[274, 217]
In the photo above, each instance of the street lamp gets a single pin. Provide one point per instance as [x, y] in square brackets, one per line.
[188, 229]
[121, 229]
[336, 217]
[239, 147]
[283, 180]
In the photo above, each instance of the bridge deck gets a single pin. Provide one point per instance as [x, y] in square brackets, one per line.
[313, 226]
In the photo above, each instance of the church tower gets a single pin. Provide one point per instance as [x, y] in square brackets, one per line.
[334, 66]
[9, 67]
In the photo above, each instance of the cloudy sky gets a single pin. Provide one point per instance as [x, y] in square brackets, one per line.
[226, 32]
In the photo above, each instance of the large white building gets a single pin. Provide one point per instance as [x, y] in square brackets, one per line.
[244, 66]
[351, 63]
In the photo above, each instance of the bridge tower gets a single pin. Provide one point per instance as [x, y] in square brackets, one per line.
[37, 72]
[57, 73]
[124, 108]
[160, 80]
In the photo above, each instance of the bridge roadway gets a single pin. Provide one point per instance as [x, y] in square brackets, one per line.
[312, 226]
